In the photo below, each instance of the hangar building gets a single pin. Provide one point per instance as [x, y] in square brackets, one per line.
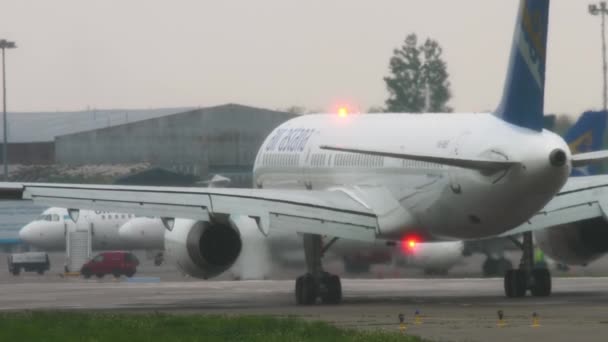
[215, 140]
[31, 135]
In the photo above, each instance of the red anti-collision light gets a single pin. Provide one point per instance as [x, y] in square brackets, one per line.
[409, 243]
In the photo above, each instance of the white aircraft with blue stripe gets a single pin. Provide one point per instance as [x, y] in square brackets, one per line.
[379, 177]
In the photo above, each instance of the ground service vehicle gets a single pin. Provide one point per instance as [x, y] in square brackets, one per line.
[29, 262]
[116, 263]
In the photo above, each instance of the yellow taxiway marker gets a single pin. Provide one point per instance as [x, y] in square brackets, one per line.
[535, 320]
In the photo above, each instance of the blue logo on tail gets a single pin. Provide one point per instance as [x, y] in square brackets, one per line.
[587, 135]
[522, 103]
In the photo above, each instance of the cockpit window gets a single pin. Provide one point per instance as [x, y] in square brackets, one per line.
[49, 217]
[45, 217]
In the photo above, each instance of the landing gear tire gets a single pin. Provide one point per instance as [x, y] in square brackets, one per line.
[86, 273]
[541, 282]
[515, 283]
[158, 259]
[317, 283]
[299, 281]
[306, 290]
[519, 281]
[333, 289]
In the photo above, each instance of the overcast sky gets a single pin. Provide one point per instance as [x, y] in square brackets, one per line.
[74, 54]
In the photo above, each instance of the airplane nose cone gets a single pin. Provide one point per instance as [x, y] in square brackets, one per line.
[28, 234]
[43, 235]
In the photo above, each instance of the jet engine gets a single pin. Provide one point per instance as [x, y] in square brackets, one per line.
[203, 249]
[577, 243]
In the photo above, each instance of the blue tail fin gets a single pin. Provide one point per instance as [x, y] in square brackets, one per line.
[587, 135]
[523, 97]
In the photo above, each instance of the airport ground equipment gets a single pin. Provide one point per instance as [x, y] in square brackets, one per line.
[28, 262]
[78, 246]
[116, 263]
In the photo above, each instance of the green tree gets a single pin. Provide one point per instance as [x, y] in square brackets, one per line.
[418, 80]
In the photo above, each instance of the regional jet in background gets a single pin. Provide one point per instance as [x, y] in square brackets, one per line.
[380, 177]
[109, 231]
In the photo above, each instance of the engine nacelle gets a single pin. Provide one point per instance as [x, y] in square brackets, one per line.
[575, 244]
[202, 249]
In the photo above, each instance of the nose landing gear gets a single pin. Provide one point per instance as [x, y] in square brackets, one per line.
[518, 281]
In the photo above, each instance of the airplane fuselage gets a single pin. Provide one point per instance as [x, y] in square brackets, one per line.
[435, 200]
[108, 230]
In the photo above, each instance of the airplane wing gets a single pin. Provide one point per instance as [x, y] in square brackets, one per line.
[583, 159]
[334, 213]
[580, 199]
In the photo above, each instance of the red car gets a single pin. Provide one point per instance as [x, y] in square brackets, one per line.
[115, 263]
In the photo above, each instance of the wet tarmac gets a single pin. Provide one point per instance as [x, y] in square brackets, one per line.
[449, 309]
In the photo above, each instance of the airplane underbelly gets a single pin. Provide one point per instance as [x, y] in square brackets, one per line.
[474, 211]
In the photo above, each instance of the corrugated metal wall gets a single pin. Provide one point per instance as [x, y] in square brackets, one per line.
[224, 137]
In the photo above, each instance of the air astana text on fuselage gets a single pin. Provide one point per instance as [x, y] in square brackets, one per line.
[288, 140]
[442, 200]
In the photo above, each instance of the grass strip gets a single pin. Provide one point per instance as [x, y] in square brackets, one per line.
[92, 327]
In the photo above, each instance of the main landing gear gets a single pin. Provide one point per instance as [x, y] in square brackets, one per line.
[526, 277]
[317, 283]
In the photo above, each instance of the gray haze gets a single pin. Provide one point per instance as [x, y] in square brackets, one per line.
[74, 54]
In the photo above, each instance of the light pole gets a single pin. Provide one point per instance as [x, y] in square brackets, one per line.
[5, 44]
[602, 10]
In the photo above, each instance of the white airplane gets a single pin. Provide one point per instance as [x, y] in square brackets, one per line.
[109, 230]
[114, 231]
[380, 177]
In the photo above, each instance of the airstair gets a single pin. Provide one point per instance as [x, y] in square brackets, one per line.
[78, 245]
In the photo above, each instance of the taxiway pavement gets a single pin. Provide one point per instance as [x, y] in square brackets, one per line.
[450, 309]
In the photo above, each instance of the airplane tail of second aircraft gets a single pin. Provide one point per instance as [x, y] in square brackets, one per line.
[523, 95]
[587, 135]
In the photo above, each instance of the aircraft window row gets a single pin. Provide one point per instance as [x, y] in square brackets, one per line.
[117, 216]
[420, 164]
[358, 160]
[280, 159]
[49, 217]
[318, 160]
